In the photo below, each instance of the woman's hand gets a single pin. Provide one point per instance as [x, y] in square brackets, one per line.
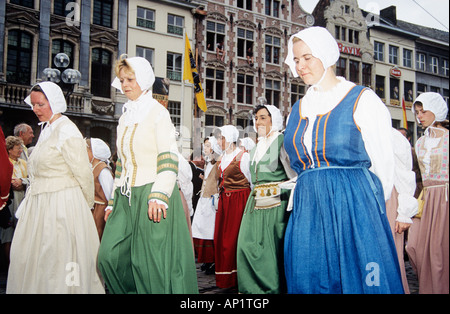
[107, 212]
[155, 211]
[400, 227]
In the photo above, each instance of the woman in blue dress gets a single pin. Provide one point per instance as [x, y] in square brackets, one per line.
[338, 139]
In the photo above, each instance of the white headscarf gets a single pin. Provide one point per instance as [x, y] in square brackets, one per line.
[143, 72]
[55, 97]
[214, 145]
[277, 119]
[100, 149]
[230, 133]
[322, 44]
[433, 102]
[248, 143]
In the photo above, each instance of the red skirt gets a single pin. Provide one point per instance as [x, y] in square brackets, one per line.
[228, 221]
[204, 250]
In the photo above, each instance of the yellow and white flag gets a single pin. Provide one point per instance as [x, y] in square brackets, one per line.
[190, 73]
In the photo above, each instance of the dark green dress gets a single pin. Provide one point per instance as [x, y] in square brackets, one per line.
[260, 242]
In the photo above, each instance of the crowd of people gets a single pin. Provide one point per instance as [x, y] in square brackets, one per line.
[324, 204]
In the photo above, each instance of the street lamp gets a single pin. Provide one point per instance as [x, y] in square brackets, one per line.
[69, 77]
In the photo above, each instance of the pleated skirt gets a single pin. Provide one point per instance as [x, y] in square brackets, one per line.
[138, 255]
[338, 238]
[260, 267]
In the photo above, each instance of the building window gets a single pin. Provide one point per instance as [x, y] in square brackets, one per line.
[341, 67]
[337, 32]
[24, 3]
[101, 70]
[273, 92]
[245, 42]
[421, 88]
[408, 91]
[272, 8]
[103, 10]
[273, 47]
[60, 45]
[393, 54]
[245, 4]
[212, 122]
[407, 58]
[145, 18]
[215, 34]
[244, 89]
[147, 53]
[445, 67]
[214, 84]
[379, 86]
[297, 92]
[18, 68]
[421, 62]
[174, 108]
[379, 51]
[353, 36]
[175, 24]
[174, 61]
[343, 34]
[354, 71]
[393, 84]
[367, 74]
[59, 7]
[434, 65]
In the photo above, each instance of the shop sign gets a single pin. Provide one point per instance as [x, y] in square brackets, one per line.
[349, 50]
[395, 72]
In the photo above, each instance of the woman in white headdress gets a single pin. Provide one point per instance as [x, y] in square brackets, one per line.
[146, 246]
[235, 187]
[205, 212]
[99, 154]
[428, 237]
[55, 245]
[260, 244]
[338, 139]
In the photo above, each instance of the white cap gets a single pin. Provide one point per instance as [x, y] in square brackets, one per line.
[143, 72]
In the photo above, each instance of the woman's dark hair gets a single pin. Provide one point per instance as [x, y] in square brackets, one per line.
[259, 107]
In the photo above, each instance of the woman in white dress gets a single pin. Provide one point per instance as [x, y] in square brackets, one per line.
[55, 245]
[205, 212]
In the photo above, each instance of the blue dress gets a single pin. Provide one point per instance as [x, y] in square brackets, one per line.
[338, 238]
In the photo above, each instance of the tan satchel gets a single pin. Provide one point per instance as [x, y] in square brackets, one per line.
[421, 202]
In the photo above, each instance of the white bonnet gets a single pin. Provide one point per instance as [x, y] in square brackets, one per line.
[100, 149]
[54, 96]
[230, 133]
[214, 145]
[277, 118]
[433, 102]
[248, 143]
[322, 44]
[143, 72]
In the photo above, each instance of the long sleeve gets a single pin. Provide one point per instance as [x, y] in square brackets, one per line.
[167, 158]
[374, 120]
[74, 152]
[245, 167]
[404, 179]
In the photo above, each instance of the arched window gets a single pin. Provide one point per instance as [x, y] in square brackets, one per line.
[18, 68]
[101, 73]
[60, 45]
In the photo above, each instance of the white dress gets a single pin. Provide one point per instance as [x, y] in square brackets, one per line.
[55, 245]
[205, 212]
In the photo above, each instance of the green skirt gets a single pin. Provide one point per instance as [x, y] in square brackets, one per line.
[260, 248]
[137, 255]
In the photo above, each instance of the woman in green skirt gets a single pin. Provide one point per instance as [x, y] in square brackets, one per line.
[146, 246]
[260, 242]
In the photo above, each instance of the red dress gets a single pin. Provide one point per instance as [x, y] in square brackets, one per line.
[234, 192]
[6, 169]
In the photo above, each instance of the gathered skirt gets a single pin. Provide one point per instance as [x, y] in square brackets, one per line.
[138, 255]
[338, 238]
[260, 267]
[428, 242]
[55, 246]
[228, 222]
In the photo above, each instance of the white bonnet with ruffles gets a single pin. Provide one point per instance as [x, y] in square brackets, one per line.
[143, 72]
